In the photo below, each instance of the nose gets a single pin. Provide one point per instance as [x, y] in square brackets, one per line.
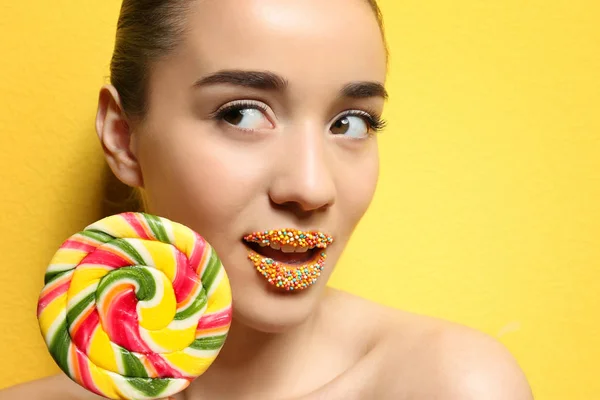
[303, 178]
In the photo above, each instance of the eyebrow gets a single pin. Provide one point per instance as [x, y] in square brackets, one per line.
[265, 80]
[362, 90]
[262, 80]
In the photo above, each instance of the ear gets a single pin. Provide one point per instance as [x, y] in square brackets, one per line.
[115, 136]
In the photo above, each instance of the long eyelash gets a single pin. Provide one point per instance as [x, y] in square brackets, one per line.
[236, 106]
[374, 121]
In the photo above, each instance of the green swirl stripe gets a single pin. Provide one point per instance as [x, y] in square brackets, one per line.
[197, 305]
[99, 236]
[157, 227]
[51, 276]
[209, 343]
[128, 249]
[146, 289]
[133, 366]
[212, 271]
[59, 348]
[80, 307]
[148, 386]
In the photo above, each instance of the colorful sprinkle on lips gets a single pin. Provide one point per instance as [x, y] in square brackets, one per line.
[289, 276]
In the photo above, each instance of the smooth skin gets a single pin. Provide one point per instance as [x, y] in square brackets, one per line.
[291, 158]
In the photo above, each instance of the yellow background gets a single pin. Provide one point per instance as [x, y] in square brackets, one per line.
[488, 209]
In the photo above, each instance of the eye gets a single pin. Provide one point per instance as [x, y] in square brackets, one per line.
[350, 125]
[245, 115]
[357, 125]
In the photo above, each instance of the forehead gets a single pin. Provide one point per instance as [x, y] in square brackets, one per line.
[303, 40]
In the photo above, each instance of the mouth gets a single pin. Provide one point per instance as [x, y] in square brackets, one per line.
[288, 259]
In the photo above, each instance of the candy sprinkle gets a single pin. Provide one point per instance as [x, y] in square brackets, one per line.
[289, 277]
[291, 237]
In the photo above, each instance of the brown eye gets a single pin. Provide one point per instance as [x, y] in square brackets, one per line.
[234, 117]
[245, 117]
[352, 126]
[341, 126]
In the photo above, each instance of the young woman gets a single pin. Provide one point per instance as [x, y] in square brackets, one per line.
[240, 116]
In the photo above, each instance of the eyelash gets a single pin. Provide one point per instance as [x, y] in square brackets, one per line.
[236, 106]
[374, 122]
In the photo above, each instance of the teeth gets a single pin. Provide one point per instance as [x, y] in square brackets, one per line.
[287, 248]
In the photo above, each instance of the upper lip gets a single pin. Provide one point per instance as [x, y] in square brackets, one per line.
[290, 239]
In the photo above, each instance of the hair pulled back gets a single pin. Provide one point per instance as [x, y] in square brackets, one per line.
[146, 31]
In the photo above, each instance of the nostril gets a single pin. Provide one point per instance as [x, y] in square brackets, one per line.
[301, 210]
[303, 190]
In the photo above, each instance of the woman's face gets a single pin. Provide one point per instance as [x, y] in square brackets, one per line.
[259, 121]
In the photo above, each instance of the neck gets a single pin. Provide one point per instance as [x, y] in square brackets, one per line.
[268, 365]
[250, 354]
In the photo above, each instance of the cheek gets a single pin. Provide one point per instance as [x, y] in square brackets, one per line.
[356, 186]
[198, 182]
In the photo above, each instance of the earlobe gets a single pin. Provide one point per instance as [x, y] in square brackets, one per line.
[115, 136]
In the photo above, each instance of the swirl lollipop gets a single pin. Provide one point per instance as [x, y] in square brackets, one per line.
[135, 307]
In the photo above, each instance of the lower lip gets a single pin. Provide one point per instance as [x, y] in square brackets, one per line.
[289, 277]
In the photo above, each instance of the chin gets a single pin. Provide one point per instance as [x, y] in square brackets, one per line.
[269, 310]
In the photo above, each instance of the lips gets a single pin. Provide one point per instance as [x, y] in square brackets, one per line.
[288, 259]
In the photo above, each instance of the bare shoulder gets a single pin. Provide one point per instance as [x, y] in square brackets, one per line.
[57, 387]
[421, 357]
[448, 360]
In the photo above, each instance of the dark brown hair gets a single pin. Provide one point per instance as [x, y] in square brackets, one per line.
[148, 30]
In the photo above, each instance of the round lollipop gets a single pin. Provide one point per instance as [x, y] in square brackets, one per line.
[135, 307]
